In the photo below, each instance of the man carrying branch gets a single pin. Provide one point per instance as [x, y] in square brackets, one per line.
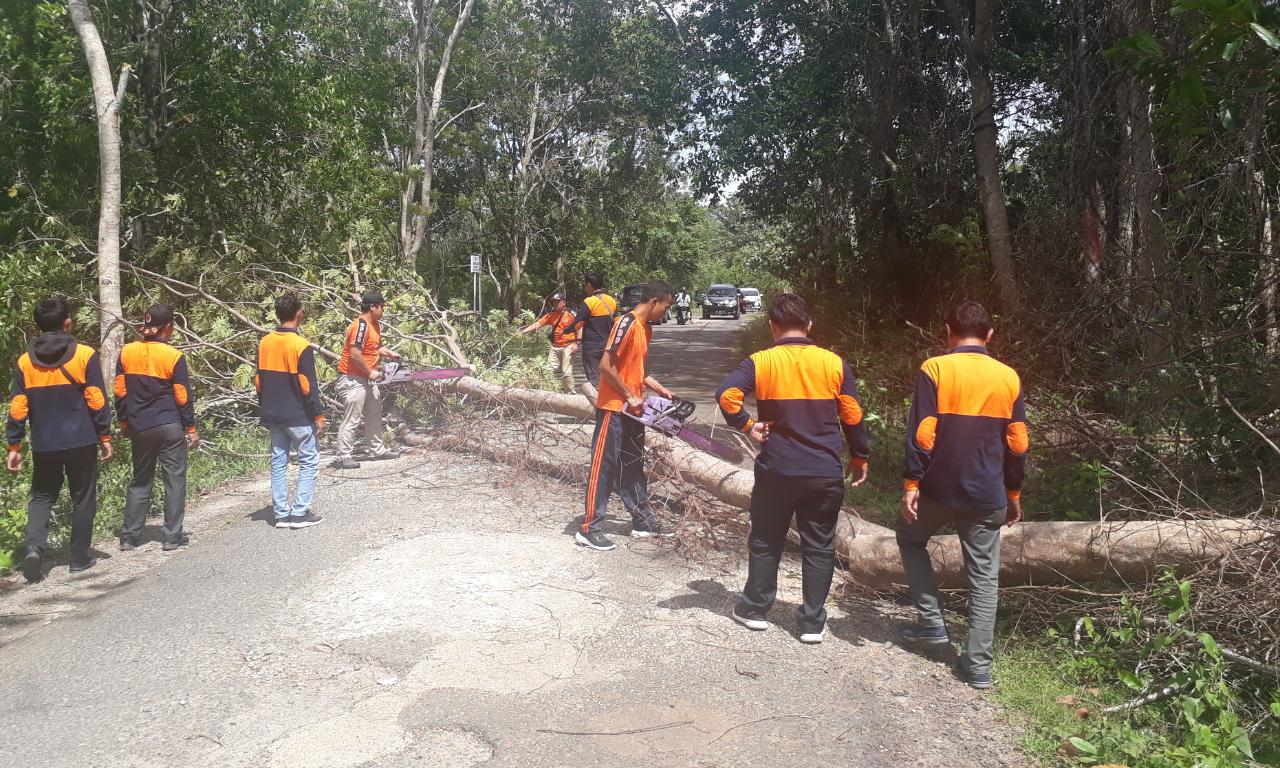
[358, 384]
[967, 450]
[563, 340]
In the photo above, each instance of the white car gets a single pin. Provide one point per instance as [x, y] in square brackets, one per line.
[753, 299]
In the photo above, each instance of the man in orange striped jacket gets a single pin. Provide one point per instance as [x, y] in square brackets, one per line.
[966, 456]
[808, 400]
[58, 389]
[157, 412]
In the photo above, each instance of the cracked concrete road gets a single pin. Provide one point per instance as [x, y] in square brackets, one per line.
[441, 616]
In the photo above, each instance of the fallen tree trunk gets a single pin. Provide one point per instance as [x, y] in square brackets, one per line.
[1031, 553]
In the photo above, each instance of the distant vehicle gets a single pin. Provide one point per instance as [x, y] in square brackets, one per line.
[721, 300]
[755, 302]
[630, 297]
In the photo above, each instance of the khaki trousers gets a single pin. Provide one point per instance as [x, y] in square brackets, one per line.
[560, 360]
[361, 401]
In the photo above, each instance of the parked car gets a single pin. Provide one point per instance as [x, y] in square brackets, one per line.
[755, 302]
[630, 297]
[721, 300]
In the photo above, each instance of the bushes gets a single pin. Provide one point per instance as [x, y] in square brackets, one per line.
[1175, 698]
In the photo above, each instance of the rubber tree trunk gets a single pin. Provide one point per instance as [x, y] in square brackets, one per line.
[106, 103]
[1031, 553]
[978, 38]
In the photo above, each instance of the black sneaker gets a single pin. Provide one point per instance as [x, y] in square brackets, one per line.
[169, 546]
[345, 464]
[127, 543]
[813, 638]
[595, 540]
[305, 521]
[928, 635]
[752, 620]
[283, 522]
[33, 566]
[86, 565]
[980, 680]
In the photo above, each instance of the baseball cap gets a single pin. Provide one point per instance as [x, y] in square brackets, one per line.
[158, 316]
[372, 297]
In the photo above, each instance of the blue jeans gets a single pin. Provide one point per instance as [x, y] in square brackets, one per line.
[304, 440]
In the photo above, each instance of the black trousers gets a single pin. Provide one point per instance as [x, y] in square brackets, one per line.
[165, 445]
[80, 468]
[815, 503]
[591, 365]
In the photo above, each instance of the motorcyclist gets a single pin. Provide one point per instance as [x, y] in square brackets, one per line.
[684, 306]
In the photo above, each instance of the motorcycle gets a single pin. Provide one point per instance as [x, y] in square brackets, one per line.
[683, 315]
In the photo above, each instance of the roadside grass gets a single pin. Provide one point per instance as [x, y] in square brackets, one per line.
[223, 456]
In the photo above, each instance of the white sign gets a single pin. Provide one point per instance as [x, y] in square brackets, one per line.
[475, 263]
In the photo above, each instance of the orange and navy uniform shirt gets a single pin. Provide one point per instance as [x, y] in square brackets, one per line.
[561, 322]
[629, 343]
[62, 414]
[967, 437]
[153, 387]
[288, 391]
[809, 398]
[364, 336]
[594, 317]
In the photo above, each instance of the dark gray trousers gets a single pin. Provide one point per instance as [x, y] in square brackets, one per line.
[165, 445]
[979, 532]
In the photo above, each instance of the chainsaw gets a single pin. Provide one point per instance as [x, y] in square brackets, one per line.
[668, 417]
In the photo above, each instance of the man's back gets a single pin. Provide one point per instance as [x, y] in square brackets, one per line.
[288, 392]
[967, 440]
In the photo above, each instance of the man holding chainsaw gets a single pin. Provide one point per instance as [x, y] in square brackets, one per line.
[807, 398]
[617, 448]
[564, 342]
[357, 384]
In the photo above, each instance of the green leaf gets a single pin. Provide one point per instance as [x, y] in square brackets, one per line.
[1267, 35]
[1275, 708]
[1229, 50]
[1082, 745]
[1130, 679]
[1210, 645]
[1228, 116]
[1190, 91]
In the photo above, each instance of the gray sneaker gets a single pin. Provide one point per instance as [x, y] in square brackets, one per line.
[345, 463]
[283, 522]
[305, 521]
[595, 540]
[384, 456]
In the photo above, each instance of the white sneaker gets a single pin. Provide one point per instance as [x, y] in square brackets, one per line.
[750, 622]
[813, 638]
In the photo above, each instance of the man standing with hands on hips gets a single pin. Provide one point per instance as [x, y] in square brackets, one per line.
[967, 448]
[357, 384]
[617, 449]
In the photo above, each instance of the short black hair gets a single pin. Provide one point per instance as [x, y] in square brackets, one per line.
[51, 313]
[287, 307]
[790, 312]
[655, 289]
[594, 279]
[969, 320]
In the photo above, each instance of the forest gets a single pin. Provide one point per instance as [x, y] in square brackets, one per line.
[1102, 174]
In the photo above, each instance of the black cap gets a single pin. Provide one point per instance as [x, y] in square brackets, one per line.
[372, 297]
[557, 296]
[158, 316]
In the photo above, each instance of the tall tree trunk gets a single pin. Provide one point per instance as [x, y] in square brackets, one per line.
[154, 19]
[1261, 211]
[415, 211]
[106, 102]
[979, 39]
